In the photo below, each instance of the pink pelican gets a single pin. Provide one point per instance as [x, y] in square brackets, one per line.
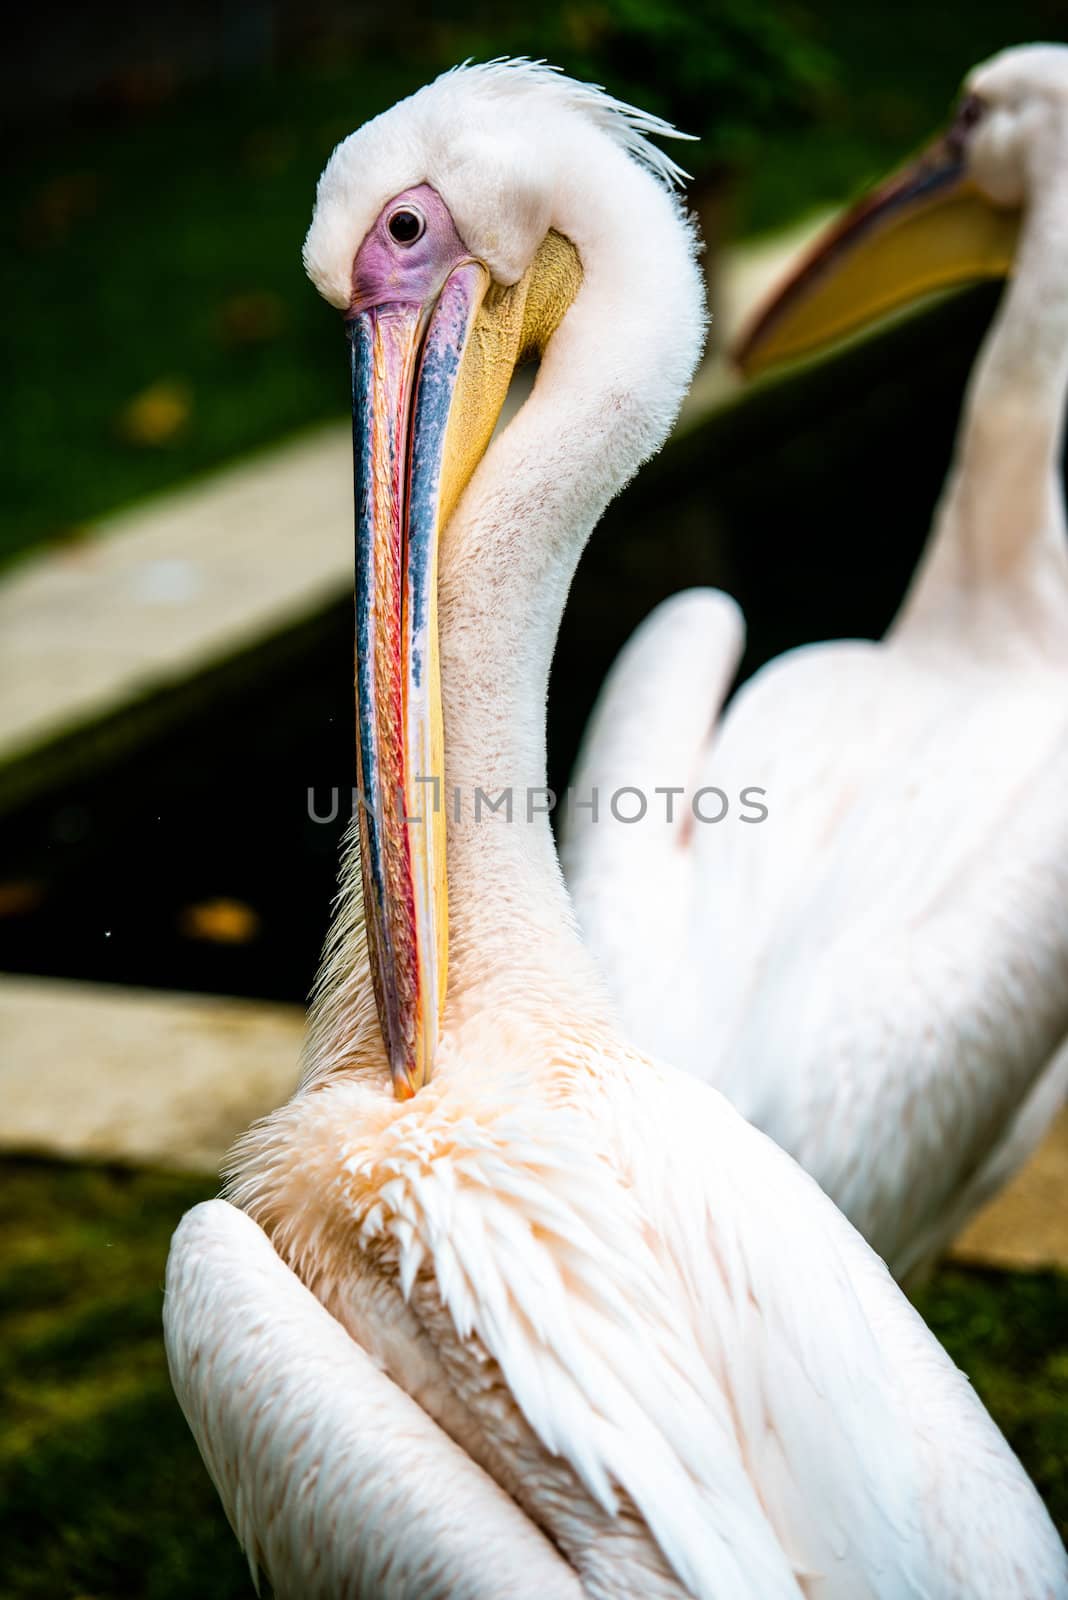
[501, 1306]
[877, 973]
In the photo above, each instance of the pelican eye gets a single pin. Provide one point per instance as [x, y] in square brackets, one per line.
[970, 110]
[406, 225]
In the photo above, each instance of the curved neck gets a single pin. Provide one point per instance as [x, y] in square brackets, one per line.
[608, 390]
[996, 567]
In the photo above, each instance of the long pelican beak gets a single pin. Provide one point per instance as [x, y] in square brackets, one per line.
[428, 382]
[927, 228]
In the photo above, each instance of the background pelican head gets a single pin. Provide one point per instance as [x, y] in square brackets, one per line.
[455, 232]
[950, 217]
[1015, 110]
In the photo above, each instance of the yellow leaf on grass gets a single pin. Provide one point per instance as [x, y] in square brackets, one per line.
[156, 415]
[220, 921]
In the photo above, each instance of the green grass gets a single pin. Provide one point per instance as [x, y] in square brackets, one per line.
[1009, 1333]
[102, 1493]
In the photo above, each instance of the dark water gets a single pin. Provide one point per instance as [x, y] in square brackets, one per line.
[809, 501]
[215, 809]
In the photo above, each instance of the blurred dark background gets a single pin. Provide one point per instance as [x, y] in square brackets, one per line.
[159, 167]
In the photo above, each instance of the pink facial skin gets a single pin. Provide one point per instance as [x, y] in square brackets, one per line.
[386, 271]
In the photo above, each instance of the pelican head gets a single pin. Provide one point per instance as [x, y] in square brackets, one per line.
[951, 217]
[435, 233]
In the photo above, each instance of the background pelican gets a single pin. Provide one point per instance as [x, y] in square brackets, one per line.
[877, 975]
[633, 1312]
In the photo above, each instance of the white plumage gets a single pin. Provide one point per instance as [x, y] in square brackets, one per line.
[320, 1458]
[628, 1307]
[877, 975]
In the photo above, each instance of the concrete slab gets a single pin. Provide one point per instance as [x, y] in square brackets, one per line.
[1026, 1226]
[113, 1074]
[163, 592]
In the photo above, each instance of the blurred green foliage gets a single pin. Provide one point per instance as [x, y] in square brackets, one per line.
[895, 69]
[159, 321]
[163, 248]
[728, 71]
[102, 1492]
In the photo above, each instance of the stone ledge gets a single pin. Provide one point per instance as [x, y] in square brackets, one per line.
[1026, 1226]
[138, 1076]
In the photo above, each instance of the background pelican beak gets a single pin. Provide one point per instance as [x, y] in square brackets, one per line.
[927, 228]
[406, 359]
